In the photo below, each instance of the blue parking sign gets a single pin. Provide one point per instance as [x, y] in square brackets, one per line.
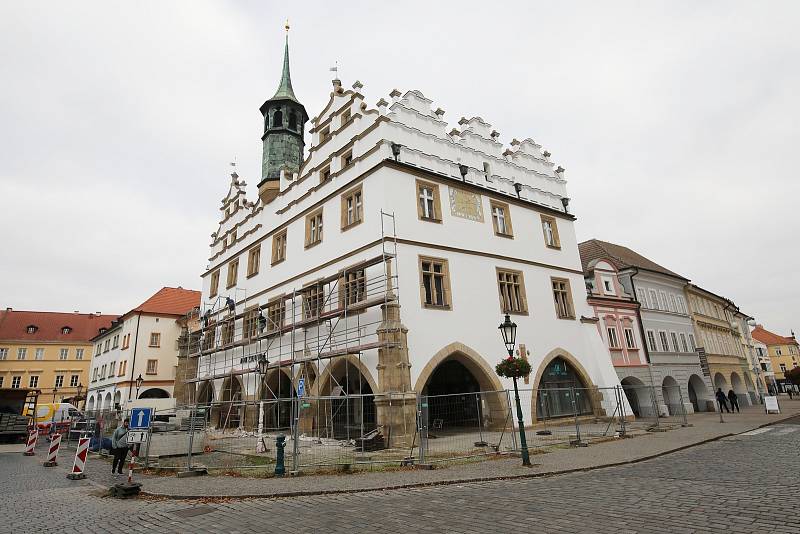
[301, 388]
[140, 417]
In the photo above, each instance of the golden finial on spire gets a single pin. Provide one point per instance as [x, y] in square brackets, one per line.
[286, 26]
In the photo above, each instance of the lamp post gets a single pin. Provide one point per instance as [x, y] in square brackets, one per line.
[139, 381]
[78, 390]
[508, 330]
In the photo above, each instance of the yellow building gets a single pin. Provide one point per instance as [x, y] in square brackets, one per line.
[783, 352]
[719, 334]
[49, 351]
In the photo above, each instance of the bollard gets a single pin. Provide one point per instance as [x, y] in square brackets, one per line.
[52, 453]
[79, 465]
[280, 445]
[30, 447]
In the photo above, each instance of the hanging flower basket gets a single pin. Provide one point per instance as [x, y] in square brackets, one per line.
[513, 368]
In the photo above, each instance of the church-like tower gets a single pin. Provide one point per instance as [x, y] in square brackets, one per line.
[284, 121]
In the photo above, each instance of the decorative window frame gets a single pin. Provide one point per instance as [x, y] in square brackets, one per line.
[509, 233]
[437, 203]
[448, 295]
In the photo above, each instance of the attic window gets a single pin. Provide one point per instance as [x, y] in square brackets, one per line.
[345, 116]
[66, 330]
[324, 174]
[103, 330]
[487, 171]
[324, 135]
[32, 329]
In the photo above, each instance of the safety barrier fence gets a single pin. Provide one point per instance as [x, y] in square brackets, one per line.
[327, 433]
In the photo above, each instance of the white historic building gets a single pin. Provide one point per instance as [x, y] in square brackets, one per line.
[141, 343]
[381, 260]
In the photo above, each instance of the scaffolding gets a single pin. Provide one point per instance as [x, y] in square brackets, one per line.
[308, 342]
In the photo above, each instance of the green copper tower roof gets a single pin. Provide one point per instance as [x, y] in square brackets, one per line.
[285, 87]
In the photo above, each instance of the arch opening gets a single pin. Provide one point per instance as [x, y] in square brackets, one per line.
[349, 411]
[451, 400]
[698, 393]
[720, 382]
[154, 393]
[277, 119]
[672, 396]
[277, 394]
[107, 402]
[557, 384]
[292, 121]
[90, 404]
[639, 396]
[231, 408]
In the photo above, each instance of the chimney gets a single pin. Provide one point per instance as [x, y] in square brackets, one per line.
[9, 309]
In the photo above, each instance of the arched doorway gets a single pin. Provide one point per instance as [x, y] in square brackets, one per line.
[117, 400]
[154, 393]
[562, 392]
[107, 402]
[205, 397]
[90, 404]
[720, 383]
[450, 399]
[230, 409]
[698, 393]
[738, 387]
[672, 396]
[639, 396]
[278, 394]
[349, 410]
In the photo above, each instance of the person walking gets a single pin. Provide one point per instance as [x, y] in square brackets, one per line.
[722, 400]
[119, 447]
[734, 400]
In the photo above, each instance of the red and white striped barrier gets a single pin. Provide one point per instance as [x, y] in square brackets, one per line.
[52, 454]
[130, 466]
[79, 465]
[30, 446]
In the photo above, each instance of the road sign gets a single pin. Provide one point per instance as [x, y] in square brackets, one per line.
[140, 417]
[301, 388]
[137, 436]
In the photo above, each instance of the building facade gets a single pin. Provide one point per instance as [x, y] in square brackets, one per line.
[719, 334]
[783, 353]
[764, 361]
[142, 343]
[50, 351]
[669, 344]
[391, 207]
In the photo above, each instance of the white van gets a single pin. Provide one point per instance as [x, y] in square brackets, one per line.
[60, 413]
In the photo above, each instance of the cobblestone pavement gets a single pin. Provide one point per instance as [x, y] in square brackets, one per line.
[743, 483]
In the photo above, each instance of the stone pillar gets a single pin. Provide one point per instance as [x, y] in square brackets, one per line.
[396, 402]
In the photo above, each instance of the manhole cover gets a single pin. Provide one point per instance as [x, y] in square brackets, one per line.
[194, 511]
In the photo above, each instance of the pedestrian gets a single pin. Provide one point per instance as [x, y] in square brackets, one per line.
[119, 447]
[734, 400]
[722, 400]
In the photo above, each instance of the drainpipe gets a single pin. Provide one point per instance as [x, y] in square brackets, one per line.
[133, 363]
[644, 337]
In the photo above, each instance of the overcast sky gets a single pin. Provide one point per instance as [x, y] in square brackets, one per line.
[678, 124]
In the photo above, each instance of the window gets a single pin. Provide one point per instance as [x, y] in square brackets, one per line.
[653, 300]
[126, 339]
[664, 343]
[563, 298]
[351, 208]
[15, 381]
[345, 116]
[354, 287]
[673, 305]
[487, 170]
[428, 205]
[279, 247]
[692, 343]
[777, 353]
[3, 353]
[73, 381]
[106, 345]
[783, 370]
[324, 134]
[115, 342]
[32, 329]
[123, 366]
[325, 174]
[111, 368]
[613, 340]
[22, 353]
[253, 260]
[630, 338]
[651, 341]
[214, 283]
[2, 379]
[681, 305]
[94, 374]
[39, 354]
[64, 353]
[314, 228]
[103, 372]
[512, 291]
[233, 272]
[684, 344]
[33, 382]
[250, 322]
[276, 313]
[501, 219]
[155, 339]
[674, 337]
[434, 282]
[209, 335]
[66, 330]
[292, 120]
[608, 286]
[662, 303]
[228, 327]
[346, 159]
[59, 381]
[152, 367]
[313, 300]
[233, 237]
[550, 229]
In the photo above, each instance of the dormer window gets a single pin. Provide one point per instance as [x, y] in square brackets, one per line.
[103, 330]
[31, 329]
[66, 330]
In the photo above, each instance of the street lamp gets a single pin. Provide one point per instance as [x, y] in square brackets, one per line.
[263, 364]
[508, 330]
[139, 381]
[55, 390]
[78, 390]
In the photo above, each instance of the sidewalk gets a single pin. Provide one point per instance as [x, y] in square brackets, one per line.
[705, 427]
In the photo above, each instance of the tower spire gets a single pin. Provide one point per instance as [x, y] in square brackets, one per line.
[285, 87]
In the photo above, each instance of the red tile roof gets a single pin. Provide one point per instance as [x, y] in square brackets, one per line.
[770, 338]
[83, 326]
[621, 257]
[169, 301]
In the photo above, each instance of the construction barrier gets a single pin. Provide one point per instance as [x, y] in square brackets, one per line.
[52, 454]
[79, 465]
[30, 447]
